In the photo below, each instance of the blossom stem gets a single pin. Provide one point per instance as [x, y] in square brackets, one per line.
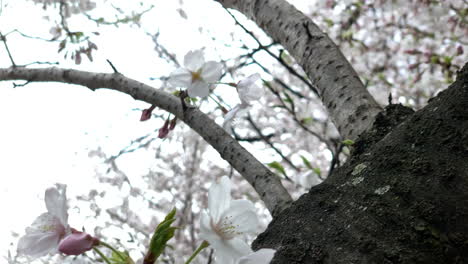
[216, 101]
[230, 84]
[113, 249]
[203, 245]
[102, 255]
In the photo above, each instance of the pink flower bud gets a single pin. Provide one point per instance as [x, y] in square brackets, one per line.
[173, 123]
[412, 51]
[413, 66]
[146, 114]
[164, 130]
[224, 110]
[77, 243]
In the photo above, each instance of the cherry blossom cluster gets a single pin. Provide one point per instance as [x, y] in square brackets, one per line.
[222, 227]
[199, 77]
[50, 232]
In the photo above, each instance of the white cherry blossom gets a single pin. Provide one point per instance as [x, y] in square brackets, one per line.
[262, 256]
[248, 92]
[45, 233]
[226, 221]
[198, 75]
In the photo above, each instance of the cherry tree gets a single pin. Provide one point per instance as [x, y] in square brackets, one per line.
[356, 176]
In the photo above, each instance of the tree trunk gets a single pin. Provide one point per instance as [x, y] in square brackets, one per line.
[350, 106]
[401, 198]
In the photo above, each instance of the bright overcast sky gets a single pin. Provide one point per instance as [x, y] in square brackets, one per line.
[48, 129]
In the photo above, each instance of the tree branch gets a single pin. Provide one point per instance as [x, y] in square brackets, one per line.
[350, 105]
[265, 182]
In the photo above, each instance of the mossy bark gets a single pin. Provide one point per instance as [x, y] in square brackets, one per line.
[401, 198]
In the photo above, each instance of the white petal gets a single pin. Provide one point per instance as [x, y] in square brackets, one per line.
[37, 245]
[206, 230]
[219, 198]
[232, 115]
[263, 256]
[242, 215]
[248, 90]
[42, 236]
[248, 81]
[228, 251]
[229, 118]
[253, 93]
[194, 60]
[198, 88]
[212, 71]
[180, 78]
[56, 202]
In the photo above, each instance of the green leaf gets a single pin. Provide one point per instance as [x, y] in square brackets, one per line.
[79, 34]
[278, 106]
[277, 166]
[317, 171]
[286, 58]
[288, 99]
[163, 233]
[75, 37]
[348, 142]
[434, 59]
[117, 259]
[62, 45]
[307, 120]
[306, 162]
[329, 22]
[447, 60]
[347, 35]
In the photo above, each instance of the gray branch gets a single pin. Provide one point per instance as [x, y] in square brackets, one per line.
[351, 107]
[265, 182]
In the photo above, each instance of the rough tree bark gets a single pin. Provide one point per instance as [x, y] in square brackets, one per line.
[403, 196]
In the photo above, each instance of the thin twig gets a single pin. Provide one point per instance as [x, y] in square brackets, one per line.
[20, 85]
[251, 139]
[31, 37]
[63, 20]
[279, 81]
[259, 132]
[335, 160]
[112, 66]
[3, 39]
[162, 51]
[41, 63]
[293, 114]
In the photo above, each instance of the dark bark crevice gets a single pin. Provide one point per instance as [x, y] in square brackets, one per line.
[401, 198]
